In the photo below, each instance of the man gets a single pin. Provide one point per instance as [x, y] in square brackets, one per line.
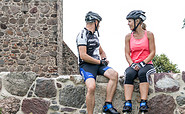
[93, 62]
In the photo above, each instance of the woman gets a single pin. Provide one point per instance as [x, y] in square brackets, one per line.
[139, 52]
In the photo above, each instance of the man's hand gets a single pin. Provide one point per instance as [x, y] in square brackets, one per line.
[104, 62]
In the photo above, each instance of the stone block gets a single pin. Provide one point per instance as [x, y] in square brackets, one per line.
[35, 106]
[45, 88]
[161, 104]
[19, 83]
[164, 82]
[73, 96]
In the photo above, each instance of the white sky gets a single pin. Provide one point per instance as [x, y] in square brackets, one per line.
[164, 19]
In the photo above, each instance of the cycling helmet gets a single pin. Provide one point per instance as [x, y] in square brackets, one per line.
[136, 14]
[91, 17]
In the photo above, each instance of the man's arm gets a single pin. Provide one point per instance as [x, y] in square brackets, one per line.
[85, 57]
[102, 53]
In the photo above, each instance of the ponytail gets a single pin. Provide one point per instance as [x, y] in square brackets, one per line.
[143, 26]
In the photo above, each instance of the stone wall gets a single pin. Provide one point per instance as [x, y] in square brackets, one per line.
[70, 61]
[31, 37]
[26, 93]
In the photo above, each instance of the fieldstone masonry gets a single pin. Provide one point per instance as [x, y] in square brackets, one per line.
[39, 72]
[31, 38]
[27, 93]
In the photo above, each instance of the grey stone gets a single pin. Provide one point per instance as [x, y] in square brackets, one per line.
[54, 107]
[67, 109]
[180, 100]
[41, 61]
[164, 82]
[16, 0]
[19, 83]
[45, 88]
[27, 1]
[102, 79]
[32, 57]
[23, 56]
[73, 96]
[31, 20]
[183, 76]
[1, 34]
[34, 33]
[100, 95]
[53, 53]
[21, 62]
[13, 21]
[2, 62]
[14, 9]
[45, 9]
[52, 22]
[161, 104]
[35, 69]
[4, 20]
[21, 21]
[5, 8]
[0, 84]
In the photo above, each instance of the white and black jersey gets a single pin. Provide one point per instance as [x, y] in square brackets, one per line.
[91, 41]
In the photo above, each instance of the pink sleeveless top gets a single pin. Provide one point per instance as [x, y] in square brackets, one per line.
[139, 48]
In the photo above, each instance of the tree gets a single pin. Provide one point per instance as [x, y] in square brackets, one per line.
[163, 64]
[184, 23]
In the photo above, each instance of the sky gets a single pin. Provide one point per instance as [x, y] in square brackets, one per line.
[164, 18]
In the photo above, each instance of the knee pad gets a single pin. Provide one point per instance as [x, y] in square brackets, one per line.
[129, 78]
[142, 77]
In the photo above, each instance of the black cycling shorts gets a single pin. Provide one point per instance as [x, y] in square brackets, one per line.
[88, 70]
[143, 74]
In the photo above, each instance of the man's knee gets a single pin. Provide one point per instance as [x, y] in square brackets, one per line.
[112, 75]
[91, 88]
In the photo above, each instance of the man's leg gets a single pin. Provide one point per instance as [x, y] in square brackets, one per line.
[112, 84]
[90, 96]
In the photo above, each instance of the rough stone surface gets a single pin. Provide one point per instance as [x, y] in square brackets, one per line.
[180, 100]
[45, 88]
[72, 96]
[10, 105]
[183, 76]
[19, 83]
[0, 84]
[35, 106]
[100, 95]
[165, 83]
[182, 109]
[161, 104]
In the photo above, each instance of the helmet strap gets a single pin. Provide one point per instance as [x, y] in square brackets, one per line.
[96, 28]
[135, 27]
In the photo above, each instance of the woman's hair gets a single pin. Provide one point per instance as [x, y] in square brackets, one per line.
[143, 26]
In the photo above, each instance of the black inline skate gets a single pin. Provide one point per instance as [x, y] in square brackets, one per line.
[109, 109]
[127, 108]
[143, 106]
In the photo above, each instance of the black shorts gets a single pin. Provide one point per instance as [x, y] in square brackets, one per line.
[143, 74]
[88, 70]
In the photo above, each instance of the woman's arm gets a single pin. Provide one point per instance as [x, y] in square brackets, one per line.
[151, 47]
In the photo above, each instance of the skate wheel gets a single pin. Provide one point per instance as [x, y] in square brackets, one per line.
[125, 113]
[142, 112]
